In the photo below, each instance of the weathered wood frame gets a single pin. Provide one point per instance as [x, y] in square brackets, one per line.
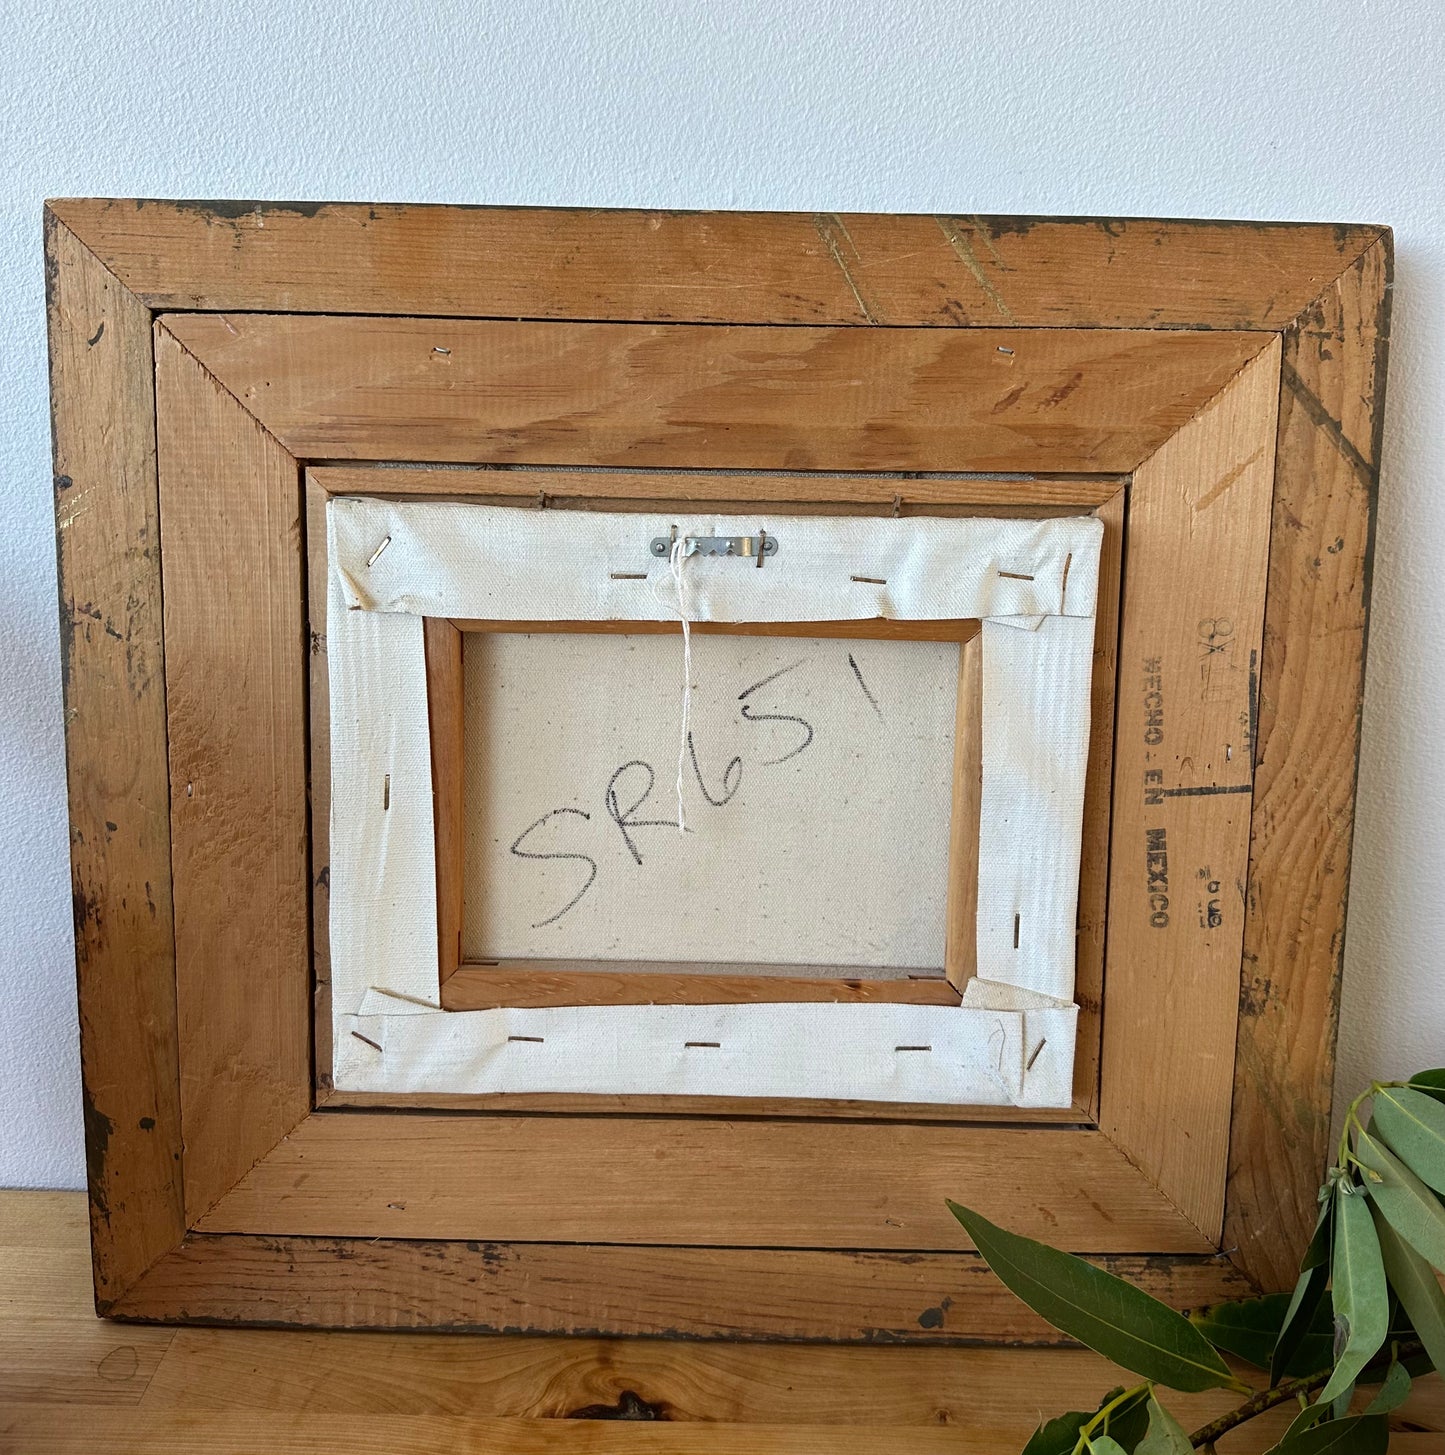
[224, 1189]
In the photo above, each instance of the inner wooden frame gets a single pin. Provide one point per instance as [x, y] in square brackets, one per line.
[1204, 361]
[484, 985]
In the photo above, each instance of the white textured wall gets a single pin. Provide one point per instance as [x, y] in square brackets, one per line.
[1329, 110]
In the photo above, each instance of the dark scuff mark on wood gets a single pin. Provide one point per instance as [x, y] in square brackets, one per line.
[1255, 994]
[221, 209]
[932, 1318]
[98, 1130]
[999, 227]
[1253, 712]
[1009, 400]
[1057, 396]
[630, 1406]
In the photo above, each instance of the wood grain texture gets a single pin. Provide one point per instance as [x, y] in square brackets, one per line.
[886, 1389]
[1094, 866]
[53, 1350]
[181, 1433]
[857, 269]
[710, 1108]
[318, 780]
[741, 398]
[446, 719]
[112, 673]
[825, 492]
[235, 678]
[687, 1180]
[961, 932]
[1331, 407]
[302, 1390]
[1193, 613]
[538, 983]
[585, 1290]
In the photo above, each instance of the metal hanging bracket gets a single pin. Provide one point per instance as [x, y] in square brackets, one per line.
[755, 548]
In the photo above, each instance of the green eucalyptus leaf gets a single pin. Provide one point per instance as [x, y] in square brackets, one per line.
[1360, 1295]
[1307, 1301]
[1112, 1317]
[1106, 1445]
[1432, 1083]
[1165, 1435]
[1249, 1328]
[1358, 1435]
[1129, 1419]
[1393, 1392]
[1414, 1284]
[1059, 1435]
[1413, 1124]
[1413, 1210]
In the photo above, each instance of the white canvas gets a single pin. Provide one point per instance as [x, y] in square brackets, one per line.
[1033, 582]
[816, 797]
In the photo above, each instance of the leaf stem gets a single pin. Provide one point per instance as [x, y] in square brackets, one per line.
[1352, 1119]
[1267, 1399]
[1103, 1413]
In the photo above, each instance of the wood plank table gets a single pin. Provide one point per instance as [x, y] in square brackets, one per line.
[72, 1383]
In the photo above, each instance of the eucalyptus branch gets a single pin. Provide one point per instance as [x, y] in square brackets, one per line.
[1267, 1399]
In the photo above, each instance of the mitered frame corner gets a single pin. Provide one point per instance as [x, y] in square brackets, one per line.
[114, 266]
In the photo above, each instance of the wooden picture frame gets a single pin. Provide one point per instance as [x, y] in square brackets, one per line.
[1214, 390]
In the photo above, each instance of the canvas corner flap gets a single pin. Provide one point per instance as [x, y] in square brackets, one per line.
[393, 562]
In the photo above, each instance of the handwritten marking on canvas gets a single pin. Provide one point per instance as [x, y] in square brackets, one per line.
[630, 786]
[587, 859]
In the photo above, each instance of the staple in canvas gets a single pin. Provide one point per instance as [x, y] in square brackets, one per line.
[1014, 576]
[1064, 582]
[913, 1048]
[536, 1040]
[870, 580]
[369, 1042]
[702, 1045]
[375, 556]
[1029, 1064]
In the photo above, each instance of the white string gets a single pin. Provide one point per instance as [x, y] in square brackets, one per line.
[679, 554]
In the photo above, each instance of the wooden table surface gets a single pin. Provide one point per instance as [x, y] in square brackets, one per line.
[72, 1383]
